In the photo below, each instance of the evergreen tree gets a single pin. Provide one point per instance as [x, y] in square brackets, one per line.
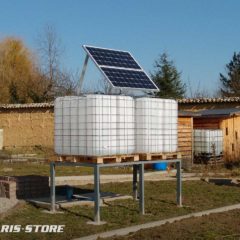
[230, 84]
[167, 78]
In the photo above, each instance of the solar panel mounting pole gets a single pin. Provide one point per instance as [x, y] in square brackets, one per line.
[82, 75]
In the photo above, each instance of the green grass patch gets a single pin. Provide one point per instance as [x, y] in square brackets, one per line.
[214, 226]
[43, 169]
[160, 203]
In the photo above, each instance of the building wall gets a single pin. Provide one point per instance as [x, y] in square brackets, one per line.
[185, 139]
[206, 123]
[231, 133]
[27, 127]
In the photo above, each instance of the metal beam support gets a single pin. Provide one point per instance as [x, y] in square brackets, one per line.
[52, 186]
[138, 168]
[135, 182]
[79, 89]
[96, 195]
[141, 188]
[179, 184]
[105, 165]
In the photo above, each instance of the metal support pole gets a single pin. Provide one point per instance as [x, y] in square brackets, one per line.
[135, 178]
[141, 189]
[52, 186]
[96, 195]
[79, 90]
[179, 184]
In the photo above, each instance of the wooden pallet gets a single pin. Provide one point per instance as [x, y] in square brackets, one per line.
[159, 156]
[215, 162]
[101, 159]
[208, 159]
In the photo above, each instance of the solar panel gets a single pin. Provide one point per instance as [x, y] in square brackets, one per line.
[120, 68]
[113, 58]
[128, 78]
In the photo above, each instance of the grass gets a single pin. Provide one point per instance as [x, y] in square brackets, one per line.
[215, 226]
[160, 200]
[35, 168]
[31, 168]
[38, 150]
[218, 171]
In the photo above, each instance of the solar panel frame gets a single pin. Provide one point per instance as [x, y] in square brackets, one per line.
[156, 89]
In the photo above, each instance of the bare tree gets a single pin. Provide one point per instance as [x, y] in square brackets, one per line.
[199, 92]
[104, 86]
[51, 51]
[67, 83]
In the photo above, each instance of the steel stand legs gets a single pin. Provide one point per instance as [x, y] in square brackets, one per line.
[179, 184]
[141, 189]
[96, 195]
[135, 179]
[52, 186]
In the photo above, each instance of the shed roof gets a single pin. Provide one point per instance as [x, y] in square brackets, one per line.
[209, 100]
[180, 101]
[225, 112]
[27, 105]
[228, 112]
[182, 113]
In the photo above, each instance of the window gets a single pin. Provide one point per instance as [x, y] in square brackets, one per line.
[226, 131]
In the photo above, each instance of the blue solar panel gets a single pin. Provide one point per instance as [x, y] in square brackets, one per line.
[120, 68]
[128, 78]
[112, 58]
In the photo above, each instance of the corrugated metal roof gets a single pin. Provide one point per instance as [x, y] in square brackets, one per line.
[209, 100]
[27, 105]
[220, 112]
[225, 112]
[188, 114]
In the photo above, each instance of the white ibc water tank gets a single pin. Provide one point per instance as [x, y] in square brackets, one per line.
[156, 125]
[205, 139]
[1, 139]
[94, 125]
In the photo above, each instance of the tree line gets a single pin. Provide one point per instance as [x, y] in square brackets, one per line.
[168, 79]
[33, 76]
[28, 76]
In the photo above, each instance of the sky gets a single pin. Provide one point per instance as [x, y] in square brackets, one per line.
[199, 35]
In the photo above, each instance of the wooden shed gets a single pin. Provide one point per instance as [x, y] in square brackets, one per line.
[229, 121]
[217, 113]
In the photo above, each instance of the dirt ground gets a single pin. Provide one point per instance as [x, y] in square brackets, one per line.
[7, 204]
[215, 226]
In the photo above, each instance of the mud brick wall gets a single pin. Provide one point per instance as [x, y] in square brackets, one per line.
[25, 187]
[27, 127]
